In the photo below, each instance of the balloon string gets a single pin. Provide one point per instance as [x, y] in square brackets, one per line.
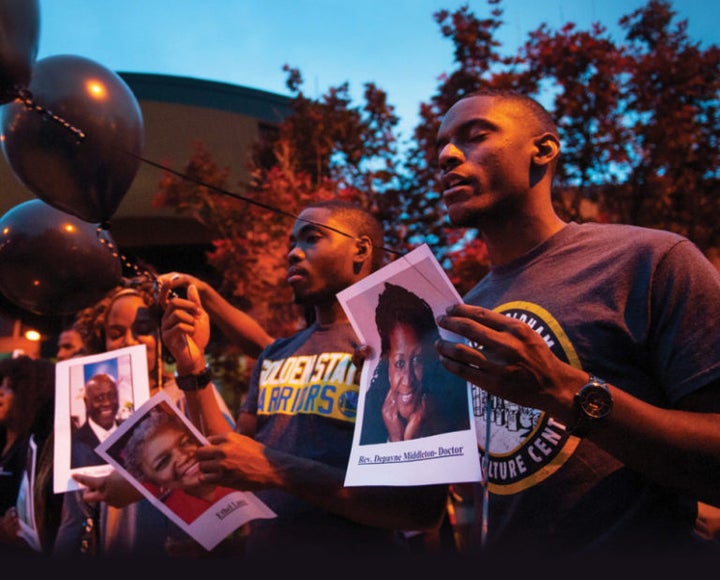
[116, 254]
[25, 96]
[237, 196]
[266, 206]
[269, 207]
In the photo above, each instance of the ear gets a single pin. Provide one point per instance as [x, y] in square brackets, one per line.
[363, 253]
[547, 148]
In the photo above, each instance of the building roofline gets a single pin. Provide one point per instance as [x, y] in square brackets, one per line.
[263, 105]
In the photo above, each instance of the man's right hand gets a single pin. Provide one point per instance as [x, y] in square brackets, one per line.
[361, 352]
[113, 489]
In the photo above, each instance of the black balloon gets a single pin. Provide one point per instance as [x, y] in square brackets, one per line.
[51, 262]
[19, 32]
[78, 147]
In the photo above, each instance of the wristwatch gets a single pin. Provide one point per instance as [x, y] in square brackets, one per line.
[194, 382]
[593, 403]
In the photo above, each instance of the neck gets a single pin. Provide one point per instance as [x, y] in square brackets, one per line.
[10, 438]
[202, 491]
[508, 240]
[330, 313]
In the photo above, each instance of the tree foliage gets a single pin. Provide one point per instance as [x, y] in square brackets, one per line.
[326, 148]
[638, 119]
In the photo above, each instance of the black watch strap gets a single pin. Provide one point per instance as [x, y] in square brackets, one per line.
[194, 382]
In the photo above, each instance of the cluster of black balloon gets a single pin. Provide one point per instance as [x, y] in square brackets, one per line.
[72, 133]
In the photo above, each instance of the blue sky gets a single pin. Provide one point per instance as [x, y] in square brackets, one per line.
[394, 43]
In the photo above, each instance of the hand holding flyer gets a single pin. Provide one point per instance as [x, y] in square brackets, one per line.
[155, 450]
[414, 424]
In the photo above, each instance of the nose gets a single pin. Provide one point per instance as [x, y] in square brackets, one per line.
[405, 374]
[182, 456]
[295, 254]
[450, 156]
[179, 455]
[129, 338]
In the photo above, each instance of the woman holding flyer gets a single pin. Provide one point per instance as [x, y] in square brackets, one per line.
[128, 315]
[26, 412]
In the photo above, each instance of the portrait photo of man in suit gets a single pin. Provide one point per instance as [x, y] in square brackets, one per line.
[102, 403]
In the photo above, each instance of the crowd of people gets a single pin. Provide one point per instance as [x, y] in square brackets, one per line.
[604, 334]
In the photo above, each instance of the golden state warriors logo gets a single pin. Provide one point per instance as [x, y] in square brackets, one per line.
[525, 445]
[318, 384]
[348, 404]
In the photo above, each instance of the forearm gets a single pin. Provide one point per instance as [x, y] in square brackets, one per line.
[398, 508]
[240, 328]
[676, 448]
[205, 413]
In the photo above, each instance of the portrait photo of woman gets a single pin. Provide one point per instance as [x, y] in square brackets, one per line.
[410, 395]
[160, 453]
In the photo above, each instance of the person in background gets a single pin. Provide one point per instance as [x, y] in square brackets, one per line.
[69, 344]
[606, 335]
[128, 315]
[292, 450]
[27, 402]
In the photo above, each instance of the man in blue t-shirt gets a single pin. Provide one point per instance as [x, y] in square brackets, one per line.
[595, 349]
[295, 429]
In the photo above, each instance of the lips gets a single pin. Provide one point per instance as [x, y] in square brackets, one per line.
[456, 187]
[192, 470]
[107, 413]
[295, 275]
[405, 398]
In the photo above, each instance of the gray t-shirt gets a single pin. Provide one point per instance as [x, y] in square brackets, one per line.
[636, 307]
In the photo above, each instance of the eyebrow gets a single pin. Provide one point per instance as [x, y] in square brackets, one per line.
[466, 127]
[314, 227]
[318, 226]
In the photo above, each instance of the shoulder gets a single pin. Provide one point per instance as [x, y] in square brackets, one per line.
[84, 432]
[632, 244]
[285, 343]
[627, 233]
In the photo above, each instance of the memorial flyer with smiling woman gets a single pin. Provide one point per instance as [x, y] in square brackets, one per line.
[415, 424]
[155, 450]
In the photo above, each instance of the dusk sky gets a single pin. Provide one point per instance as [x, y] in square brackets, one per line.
[394, 43]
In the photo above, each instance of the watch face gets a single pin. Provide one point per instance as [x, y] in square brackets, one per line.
[595, 401]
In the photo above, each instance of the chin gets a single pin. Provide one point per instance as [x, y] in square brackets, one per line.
[300, 299]
[460, 217]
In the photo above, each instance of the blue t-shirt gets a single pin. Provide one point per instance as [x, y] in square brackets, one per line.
[304, 393]
[636, 307]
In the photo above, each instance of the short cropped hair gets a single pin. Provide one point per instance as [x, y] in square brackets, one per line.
[155, 421]
[365, 223]
[538, 112]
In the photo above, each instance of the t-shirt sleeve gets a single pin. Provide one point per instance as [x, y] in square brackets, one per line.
[684, 330]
